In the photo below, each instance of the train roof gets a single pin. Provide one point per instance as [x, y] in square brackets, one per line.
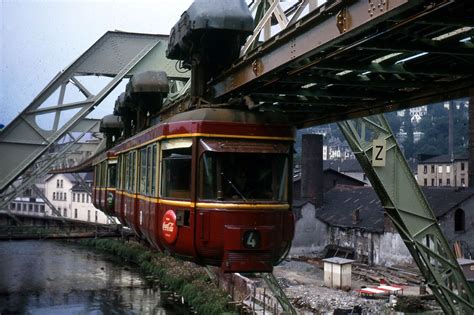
[214, 122]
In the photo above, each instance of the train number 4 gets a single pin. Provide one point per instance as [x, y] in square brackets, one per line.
[251, 239]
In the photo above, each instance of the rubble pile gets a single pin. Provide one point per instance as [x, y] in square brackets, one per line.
[392, 275]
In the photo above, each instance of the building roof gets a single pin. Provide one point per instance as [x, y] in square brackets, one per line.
[444, 199]
[445, 158]
[297, 177]
[341, 202]
[351, 165]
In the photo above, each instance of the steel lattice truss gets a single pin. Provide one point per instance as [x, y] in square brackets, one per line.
[408, 209]
[30, 144]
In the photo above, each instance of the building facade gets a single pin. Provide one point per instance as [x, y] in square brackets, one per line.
[442, 171]
[71, 199]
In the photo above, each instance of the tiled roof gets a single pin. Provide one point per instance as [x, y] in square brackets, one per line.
[445, 158]
[342, 201]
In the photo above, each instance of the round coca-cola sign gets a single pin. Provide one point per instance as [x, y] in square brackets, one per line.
[169, 227]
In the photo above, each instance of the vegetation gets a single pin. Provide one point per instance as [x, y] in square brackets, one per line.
[433, 126]
[186, 279]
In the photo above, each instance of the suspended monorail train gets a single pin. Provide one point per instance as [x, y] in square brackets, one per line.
[210, 185]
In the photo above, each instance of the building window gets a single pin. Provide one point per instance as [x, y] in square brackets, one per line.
[42, 208]
[54, 196]
[96, 216]
[432, 169]
[462, 166]
[35, 208]
[425, 182]
[30, 207]
[432, 182]
[73, 197]
[459, 220]
[57, 183]
[425, 169]
[88, 215]
[440, 182]
[463, 182]
[61, 183]
[65, 212]
[440, 169]
[24, 207]
[448, 169]
[75, 213]
[12, 206]
[83, 198]
[65, 196]
[448, 182]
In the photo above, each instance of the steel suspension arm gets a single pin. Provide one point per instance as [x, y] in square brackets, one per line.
[377, 151]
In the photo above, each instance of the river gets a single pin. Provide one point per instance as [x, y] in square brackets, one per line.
[48, 277]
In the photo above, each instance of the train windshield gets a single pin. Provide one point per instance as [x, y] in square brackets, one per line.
[244, 176]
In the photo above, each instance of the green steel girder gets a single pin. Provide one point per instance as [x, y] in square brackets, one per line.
[370, 139]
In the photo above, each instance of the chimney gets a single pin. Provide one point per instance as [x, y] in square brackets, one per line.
[312, 169]
[451, 130]
[355, 216]
[471, 140]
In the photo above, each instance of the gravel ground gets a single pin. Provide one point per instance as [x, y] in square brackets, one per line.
[304, 285]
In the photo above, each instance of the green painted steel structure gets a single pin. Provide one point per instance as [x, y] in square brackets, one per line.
[376, 148]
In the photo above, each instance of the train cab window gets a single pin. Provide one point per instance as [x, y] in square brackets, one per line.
[112, 175]
[243, 171]
[176, 169]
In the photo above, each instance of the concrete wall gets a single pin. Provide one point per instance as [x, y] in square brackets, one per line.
[310, 233]
[392, 250]
[466, 237]
[313, 235]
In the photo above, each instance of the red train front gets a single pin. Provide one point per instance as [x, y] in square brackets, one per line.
[210, 186]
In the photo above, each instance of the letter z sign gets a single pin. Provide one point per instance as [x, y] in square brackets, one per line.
[379, 152]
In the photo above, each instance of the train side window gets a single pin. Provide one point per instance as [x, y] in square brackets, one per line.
[112, 176]
[143, 171]
[153, 170]
[133, 170]
[127, 171]
[103, 174]
[176, 169]
[96, 175]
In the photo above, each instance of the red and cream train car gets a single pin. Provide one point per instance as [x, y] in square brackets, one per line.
[210, 185]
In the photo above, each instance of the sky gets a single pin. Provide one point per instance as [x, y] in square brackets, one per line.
[39, 38]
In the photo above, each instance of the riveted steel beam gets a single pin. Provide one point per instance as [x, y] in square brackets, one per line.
[377, 151]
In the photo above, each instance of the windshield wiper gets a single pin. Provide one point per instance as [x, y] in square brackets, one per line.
[233, 186]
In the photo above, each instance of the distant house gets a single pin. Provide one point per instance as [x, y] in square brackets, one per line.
[71, 199]
[444, 171]
[353, 220]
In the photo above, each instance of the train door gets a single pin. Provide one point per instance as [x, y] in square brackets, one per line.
[147, 200]
[130, 195]
[96, 187]
[175, 219]
[111, 186]
[119, 193]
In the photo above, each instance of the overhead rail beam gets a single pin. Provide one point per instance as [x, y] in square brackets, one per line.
[394, 54]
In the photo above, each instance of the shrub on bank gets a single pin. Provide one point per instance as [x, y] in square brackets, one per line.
[184, 278]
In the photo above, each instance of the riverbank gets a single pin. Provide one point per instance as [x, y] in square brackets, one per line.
[185, 278]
